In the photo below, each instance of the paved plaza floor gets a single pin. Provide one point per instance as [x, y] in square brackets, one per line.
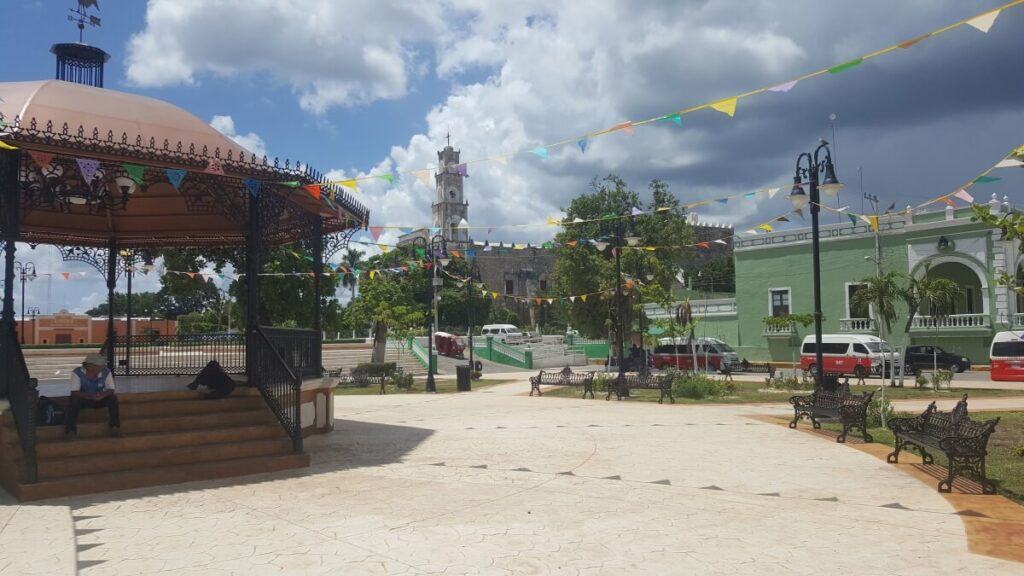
[494, 482]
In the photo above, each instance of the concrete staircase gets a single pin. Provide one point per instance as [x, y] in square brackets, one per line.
[167, 438]
[347, 357]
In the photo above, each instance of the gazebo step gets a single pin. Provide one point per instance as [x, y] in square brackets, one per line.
[152, 459]
[130, 427]
[106, 445]
[131, 408]
[123, 480]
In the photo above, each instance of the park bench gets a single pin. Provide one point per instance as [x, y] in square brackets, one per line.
[746, 367]
[661, 382]
[564, 377]
[834, 403]
[962, 440]
[361, 380]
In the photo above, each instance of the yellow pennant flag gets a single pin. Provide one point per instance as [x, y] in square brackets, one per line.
[583, 297]
[384, 248]
[494, 295]
[350, 184]
[552, 221]
[873, 221]
[727, 106]
[765, 227]
[984, 22]
[423, 176]
[6, 146]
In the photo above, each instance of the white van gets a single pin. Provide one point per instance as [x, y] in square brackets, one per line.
[507, 333]
[855, 354]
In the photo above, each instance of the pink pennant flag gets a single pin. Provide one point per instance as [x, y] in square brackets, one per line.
[784, 87]
[66, 275]
[42, 159]
[375, 232]
[963, 195]
[626, 127]
[215, 167]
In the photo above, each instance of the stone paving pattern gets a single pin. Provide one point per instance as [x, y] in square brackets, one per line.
[494, 482]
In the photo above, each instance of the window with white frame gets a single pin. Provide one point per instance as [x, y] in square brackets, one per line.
[853, 309]
[779, 301]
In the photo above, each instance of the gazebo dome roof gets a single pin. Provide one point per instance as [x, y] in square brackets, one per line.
[77, 105]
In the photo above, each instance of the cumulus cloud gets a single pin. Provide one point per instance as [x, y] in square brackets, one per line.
[250, 141]
[330, 52]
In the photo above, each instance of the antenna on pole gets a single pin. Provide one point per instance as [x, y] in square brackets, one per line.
[81, 17]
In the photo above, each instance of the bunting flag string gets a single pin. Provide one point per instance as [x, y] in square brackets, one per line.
[982, 22]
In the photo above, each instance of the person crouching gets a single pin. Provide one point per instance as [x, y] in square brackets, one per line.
[92, 386]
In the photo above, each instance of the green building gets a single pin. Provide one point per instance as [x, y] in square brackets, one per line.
[774, 278]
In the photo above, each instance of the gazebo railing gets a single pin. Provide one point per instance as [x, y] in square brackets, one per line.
[278, 383]
[301, 349]
[177, 354]
[21, 392]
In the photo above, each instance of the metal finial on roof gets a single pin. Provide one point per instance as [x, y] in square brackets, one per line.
[81, 17]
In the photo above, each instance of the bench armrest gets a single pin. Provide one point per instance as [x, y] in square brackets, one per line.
[905, 424]
[853, 410]
[964, 445]
[802, 401]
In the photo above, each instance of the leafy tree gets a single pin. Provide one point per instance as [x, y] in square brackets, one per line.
[143, 304]
[882, 293]
[352, 260]
[388, 302]
[716, 275]
[581, 269]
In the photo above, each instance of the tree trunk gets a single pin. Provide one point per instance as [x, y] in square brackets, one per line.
[380, 343]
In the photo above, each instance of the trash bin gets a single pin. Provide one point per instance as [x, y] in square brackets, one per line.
[462, 380]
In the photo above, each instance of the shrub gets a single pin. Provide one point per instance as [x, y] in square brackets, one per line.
[789, 383]
[699, 387]
[370, 369]
[1018, 450]
[877, 407]
[401, 380]
[601, 381]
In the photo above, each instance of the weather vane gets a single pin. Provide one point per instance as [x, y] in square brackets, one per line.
[80, 16]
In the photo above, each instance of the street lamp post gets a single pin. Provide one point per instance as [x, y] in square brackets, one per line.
[473, 273]
[646, 273]
[26, 272]
[831, 186]
[33, 312]
[436, 259]
[620, 324]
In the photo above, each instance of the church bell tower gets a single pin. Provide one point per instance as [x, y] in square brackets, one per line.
[450, 208]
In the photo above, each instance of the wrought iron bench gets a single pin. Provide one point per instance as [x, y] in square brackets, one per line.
[962, 440]
[851, 410]
[661, 382]
[564, 377]
[746, 367]
[365, 380]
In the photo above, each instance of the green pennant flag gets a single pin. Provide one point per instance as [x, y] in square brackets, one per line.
[389, 178]
[845, 66]
[421, 252]
[853, 218]
[986, 179]
[135, 172]
[291, 184]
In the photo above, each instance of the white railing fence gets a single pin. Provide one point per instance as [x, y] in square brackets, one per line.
[951, 321]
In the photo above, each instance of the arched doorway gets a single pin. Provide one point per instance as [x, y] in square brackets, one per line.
[972, 298]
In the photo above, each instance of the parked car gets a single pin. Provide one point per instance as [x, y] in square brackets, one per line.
[1006, 357]
[509, 334]
[449, 345]
[929, 357]
[854, 354]
[678, 354]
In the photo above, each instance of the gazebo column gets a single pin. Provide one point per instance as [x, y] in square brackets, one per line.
[253, 266]
[318, 275]
[11, 228]
[111, 284]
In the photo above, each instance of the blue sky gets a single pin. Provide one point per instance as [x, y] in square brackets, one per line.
[355, 87]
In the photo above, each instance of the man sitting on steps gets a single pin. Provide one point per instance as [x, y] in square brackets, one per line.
[92, 386]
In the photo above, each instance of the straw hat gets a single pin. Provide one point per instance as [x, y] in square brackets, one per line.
[96, 360]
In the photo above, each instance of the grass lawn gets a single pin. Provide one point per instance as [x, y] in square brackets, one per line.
[1001, 465]
[445, 386]
[747, 392]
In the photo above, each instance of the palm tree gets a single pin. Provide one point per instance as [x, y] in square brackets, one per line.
[939, 293]
[880, 294]
[352, 260]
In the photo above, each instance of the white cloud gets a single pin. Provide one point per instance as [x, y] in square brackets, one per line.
[250, 141]
[330, 52]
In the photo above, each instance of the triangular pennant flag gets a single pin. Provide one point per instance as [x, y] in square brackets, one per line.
[253, 185]
[678, 119]
[784, 87]
[891, 207]
[423, 176]
[636, 211]
[864, 218]
[66, 275]
[175, 176]
[722, 200]
[984, 22]
[135, 172]
[6, 146]
[873, 221]
[765, 227]
[750, 195]
[782, 219]
[552, 221]
[540, 152]
[845, 66]
[42, 159]
[800, 212]
[572, 243]
[350, 183]
[1009, 163]
[462, 170]
[494, 295]
[986, 179]
[572, 299]
[435, 230]
[963, 195]
[772, 192]
[313, 189]
[913, 41]
[705, 244]
[191, 275]
[583, 297]
[948, 201]
[550, 300]
[727, 106]
[388, 177]
[721, 241]
[214, 166]
[88, 168]
[626, 127]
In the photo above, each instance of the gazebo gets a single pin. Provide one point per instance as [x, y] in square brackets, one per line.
[107, 176]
